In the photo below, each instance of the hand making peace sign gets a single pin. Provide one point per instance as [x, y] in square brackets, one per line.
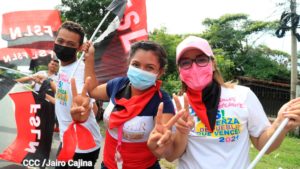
[81, 107]
[186, 122]
[160, 136]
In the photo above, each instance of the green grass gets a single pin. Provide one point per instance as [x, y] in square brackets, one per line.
[102, 128]
[286, 157]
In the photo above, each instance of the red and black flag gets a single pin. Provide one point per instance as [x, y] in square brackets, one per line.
[34, 118]
[27, 37]
[112, 47]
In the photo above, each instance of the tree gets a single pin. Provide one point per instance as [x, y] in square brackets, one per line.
[259, 65]
[169, 42]
[88, 13]
[233, 36]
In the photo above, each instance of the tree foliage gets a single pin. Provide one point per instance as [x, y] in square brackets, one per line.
[233, 36]
[258, 64]
[169, 42]
[88, 13]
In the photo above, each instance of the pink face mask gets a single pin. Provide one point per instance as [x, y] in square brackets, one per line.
[196, 77]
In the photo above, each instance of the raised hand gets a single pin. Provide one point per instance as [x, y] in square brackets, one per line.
[89, 50]
[81, 107]
[161, 134]
[290, 110]
[186, 122]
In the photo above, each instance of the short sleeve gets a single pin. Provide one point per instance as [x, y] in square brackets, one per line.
[79, 76]
[54, 78]
[109, 87]
[114, 85]
[168, 105]
[257, 119]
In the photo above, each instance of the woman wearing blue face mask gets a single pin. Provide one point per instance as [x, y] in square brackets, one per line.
[134, 110]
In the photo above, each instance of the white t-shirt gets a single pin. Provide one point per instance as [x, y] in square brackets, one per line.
[37, 86]
[135, 130]
[63, 102]
[240, 115]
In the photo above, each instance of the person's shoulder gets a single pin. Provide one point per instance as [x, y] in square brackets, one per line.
[237, 87]
[242, 88]
[239, 91]
[164, 93]
[41, 72]
[118, 80]
[53, 77]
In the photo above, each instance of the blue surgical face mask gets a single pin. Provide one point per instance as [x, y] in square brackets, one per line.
[141, 79]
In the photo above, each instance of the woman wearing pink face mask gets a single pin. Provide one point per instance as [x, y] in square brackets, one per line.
[222, 120]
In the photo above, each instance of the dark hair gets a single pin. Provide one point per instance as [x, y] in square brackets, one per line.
[156, 48]
[73, 27]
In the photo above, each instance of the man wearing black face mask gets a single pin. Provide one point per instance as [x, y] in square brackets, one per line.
[68, 42]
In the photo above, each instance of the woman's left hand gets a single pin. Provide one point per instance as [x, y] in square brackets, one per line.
[160, 136]
[290, 110]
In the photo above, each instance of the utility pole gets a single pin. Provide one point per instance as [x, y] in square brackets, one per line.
[294, 59]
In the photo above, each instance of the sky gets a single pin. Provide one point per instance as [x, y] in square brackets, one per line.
[186, 16]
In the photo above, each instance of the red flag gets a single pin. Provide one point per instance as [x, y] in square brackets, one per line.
[29, 35]
[112, 51]
[35, 121]
[21, 26]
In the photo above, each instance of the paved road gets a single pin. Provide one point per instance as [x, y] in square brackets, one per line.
[8, 132]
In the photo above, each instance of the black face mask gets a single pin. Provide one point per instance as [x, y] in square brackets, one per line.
[64, 53]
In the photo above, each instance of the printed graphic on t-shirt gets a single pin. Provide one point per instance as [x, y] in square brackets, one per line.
[61, 93]
[227, 127]
[136, 129]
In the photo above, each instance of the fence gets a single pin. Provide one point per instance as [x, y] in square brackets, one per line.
[271, 95]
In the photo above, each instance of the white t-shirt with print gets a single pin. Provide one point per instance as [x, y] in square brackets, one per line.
[240, 114]
[63, 102]
[135, 130]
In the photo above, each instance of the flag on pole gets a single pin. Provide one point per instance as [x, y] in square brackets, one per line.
[117, 7]
[112, 47]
